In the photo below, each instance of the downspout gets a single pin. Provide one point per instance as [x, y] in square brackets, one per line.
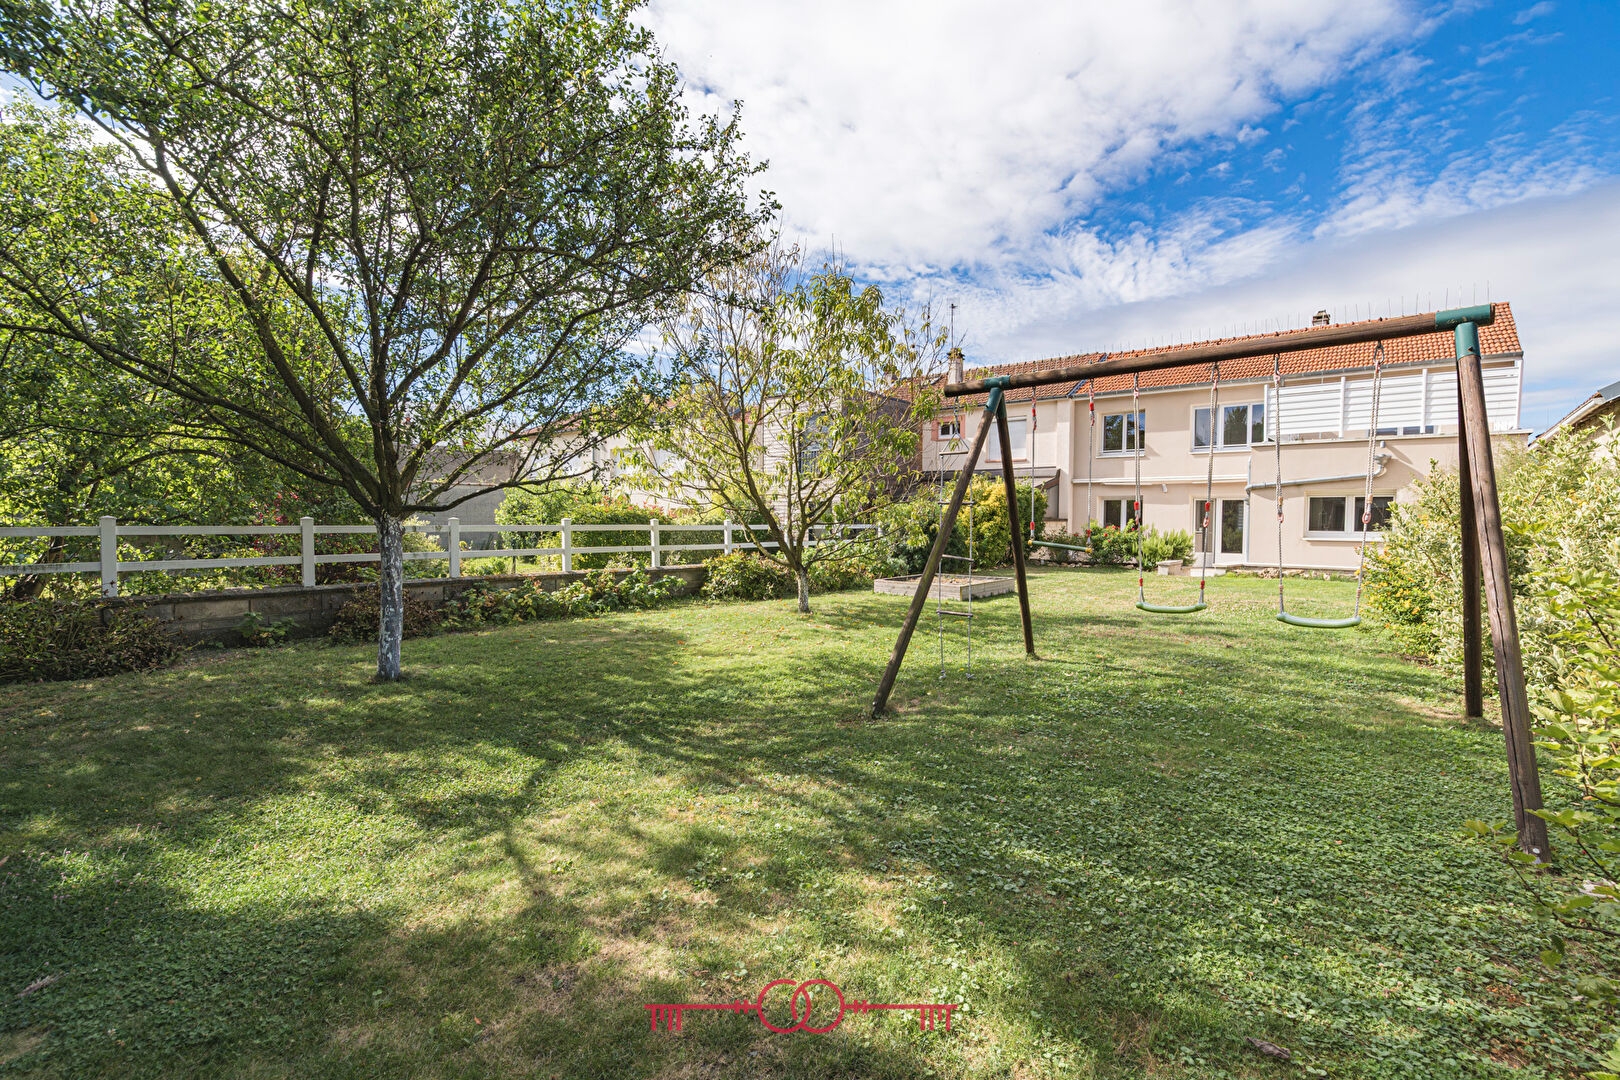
[1382, 459]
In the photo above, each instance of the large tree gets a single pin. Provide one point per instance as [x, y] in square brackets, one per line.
[798, 402]
[440, 223]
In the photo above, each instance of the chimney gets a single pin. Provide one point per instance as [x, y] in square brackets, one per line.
[1321, 318]
[954, 373]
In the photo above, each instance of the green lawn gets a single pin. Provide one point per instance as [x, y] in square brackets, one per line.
[1167, 836]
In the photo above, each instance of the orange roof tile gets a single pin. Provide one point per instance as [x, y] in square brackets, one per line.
[1498, 339]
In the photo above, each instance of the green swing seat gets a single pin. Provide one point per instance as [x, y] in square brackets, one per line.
[1318, 624]
[1171, 609]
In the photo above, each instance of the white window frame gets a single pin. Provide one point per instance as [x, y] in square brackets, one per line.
[1215, 433]
[942, 434]
[1352, 520]
[1141, 436]
[1126, 514]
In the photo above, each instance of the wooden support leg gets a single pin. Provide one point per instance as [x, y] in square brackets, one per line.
[1473, 655]
[1504, 624]
[963, 480]
[1013, 510]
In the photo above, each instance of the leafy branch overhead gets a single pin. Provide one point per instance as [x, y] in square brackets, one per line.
[402, 255]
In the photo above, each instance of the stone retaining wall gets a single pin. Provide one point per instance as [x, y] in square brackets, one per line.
[309, 611]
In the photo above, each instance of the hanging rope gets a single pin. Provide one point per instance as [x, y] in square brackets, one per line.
[1133, 427]
[1372, 464]
[1283, 614]
[1091, 454]
[1030, 452]
[1209, 480]
[1276, 389]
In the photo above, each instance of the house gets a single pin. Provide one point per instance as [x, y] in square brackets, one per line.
[1083, 441]
[1594, 412]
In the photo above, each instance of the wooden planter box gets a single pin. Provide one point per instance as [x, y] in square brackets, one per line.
[947, 586]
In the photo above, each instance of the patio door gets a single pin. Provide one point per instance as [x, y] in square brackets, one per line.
[1228, 527]
[1233, 524]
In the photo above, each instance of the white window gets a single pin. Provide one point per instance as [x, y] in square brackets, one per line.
[950, 429]
[1016, 432]
[1340, 515]
[1118, 512]
[1123, 432]
[1241, 425]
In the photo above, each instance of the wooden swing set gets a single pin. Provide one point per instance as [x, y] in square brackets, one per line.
[1484, 552]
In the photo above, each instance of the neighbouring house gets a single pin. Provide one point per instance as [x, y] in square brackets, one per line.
[1082, 441]
[1601, 410]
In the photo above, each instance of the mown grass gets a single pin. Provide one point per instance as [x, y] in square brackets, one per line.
[1163, 838]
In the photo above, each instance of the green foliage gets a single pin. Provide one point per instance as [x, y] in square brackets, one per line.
[47, 640]
[1110, 545]
[356, 620]
[909, 527]
[258, 632]
[992, 541]
[597, 593]
[746, 576]
[1560, 513]
[1578, 732]
[1157, 547]
[798, 402]
[471, 209]
[582, 505]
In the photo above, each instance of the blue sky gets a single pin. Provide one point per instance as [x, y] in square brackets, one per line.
[1081, 176]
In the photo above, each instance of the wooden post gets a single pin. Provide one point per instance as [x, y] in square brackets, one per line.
[652, 534]
[452, 544]
[568, 545]
[1013, 509]
[1511, 690]
[1473, 654]
[964, 478]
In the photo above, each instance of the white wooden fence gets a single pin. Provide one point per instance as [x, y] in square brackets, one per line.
[109, 565]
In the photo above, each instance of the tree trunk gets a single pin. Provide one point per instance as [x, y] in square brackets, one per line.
[390, 595]
[803, 577]
[29, 586]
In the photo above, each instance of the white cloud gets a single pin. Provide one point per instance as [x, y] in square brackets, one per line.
[1553, 258]
[955, 149]
[928, 134]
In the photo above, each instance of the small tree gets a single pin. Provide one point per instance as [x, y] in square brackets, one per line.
[798, 404]
[439, 223]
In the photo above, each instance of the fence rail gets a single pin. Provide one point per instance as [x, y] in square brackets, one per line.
[735, 535]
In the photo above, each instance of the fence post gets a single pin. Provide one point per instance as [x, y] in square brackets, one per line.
[568, 545]
[109, 556]
[652, 529]
[306, 548]
[728, 536]
[453, 545]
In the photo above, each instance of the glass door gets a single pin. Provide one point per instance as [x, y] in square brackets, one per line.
[1232, 525]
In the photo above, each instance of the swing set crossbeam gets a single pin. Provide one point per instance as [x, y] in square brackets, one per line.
[1481, 515]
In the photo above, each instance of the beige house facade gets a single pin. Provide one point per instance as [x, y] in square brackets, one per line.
[1085, 441]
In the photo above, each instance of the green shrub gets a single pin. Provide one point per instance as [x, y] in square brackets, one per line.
[748, 576]
[1560, 514]
[1577, 708]
[258, 632]
[1111, 545]
[855, 570]
[44, 640]
[596, 593]
[357, 619]
[538, 510]
[1160, 547]
[910, 527]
